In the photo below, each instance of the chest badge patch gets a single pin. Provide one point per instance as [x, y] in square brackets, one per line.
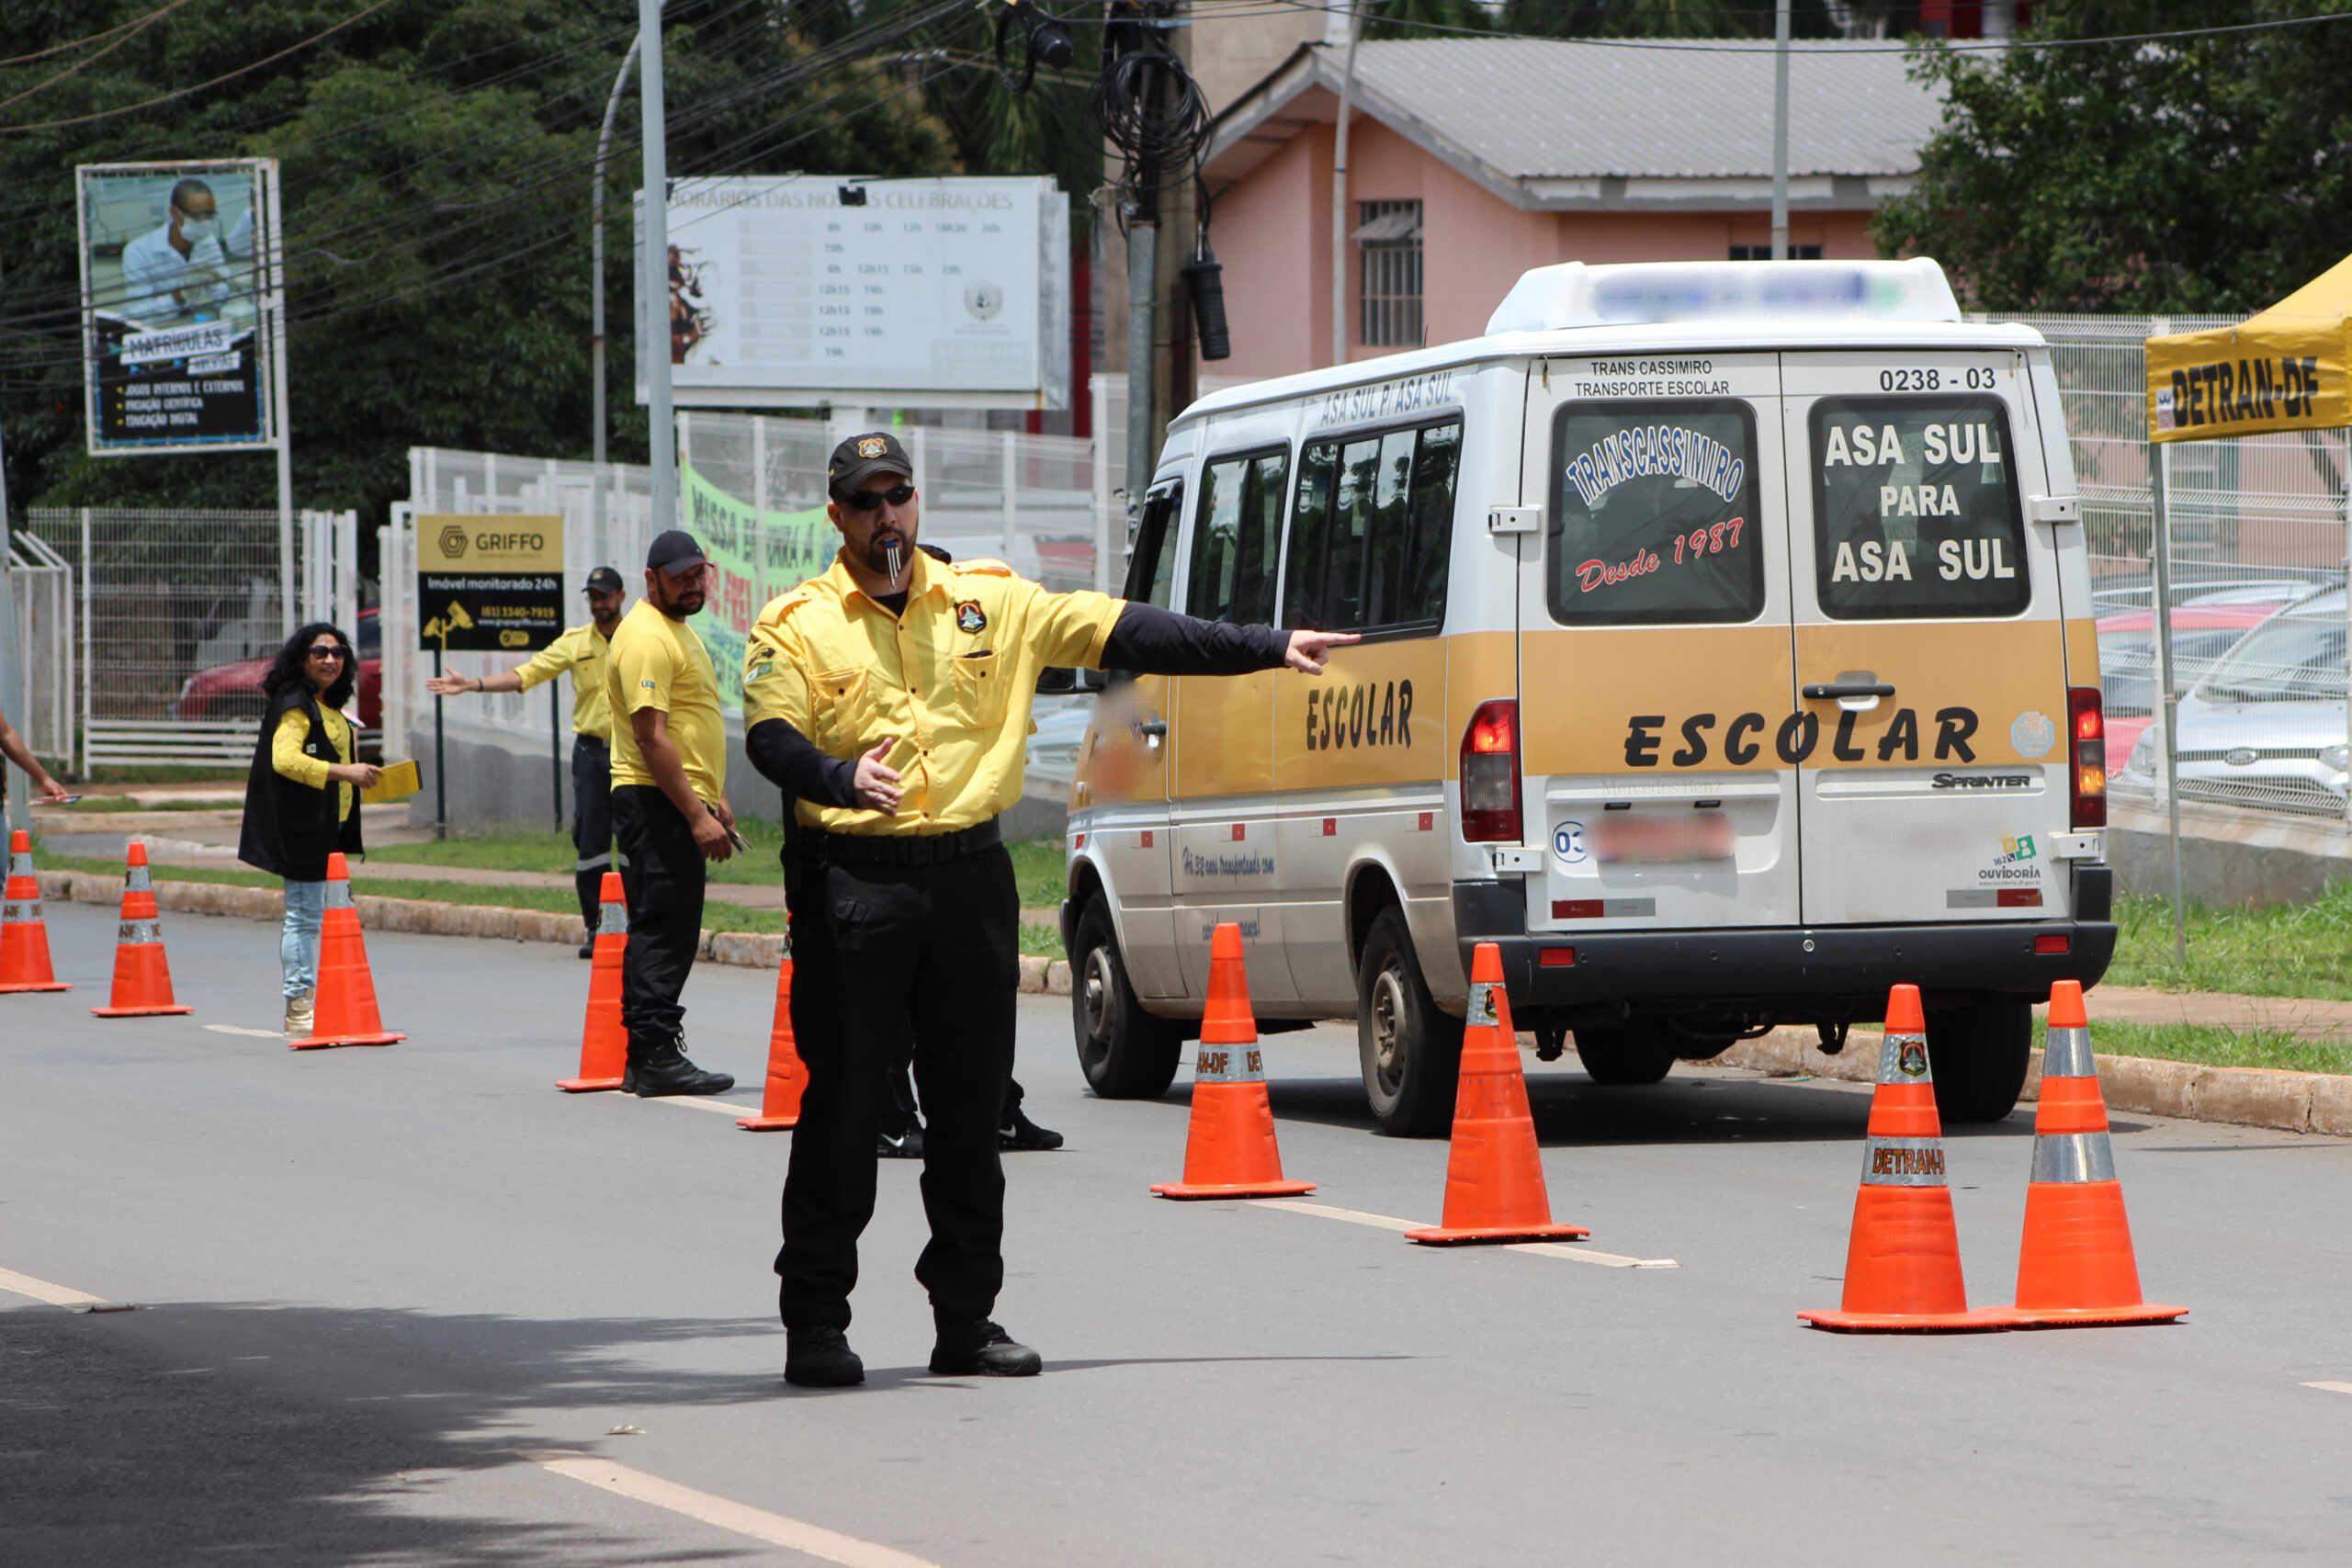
[968, 616]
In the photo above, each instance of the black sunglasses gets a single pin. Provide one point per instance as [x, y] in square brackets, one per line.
[324, 651]
[867, 500]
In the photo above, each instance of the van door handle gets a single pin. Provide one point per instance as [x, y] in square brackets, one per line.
[1152, 729]
[1818, 690]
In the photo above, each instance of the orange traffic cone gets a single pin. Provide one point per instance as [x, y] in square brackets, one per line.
[1230, 1151]
[1903, 1260]
[604, 1042]
[345, 1012]
[2076, 1268]
[24, 939]
[142, 978]
[1494, 1176]
[787, 1075]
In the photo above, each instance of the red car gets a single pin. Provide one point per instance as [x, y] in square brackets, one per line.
[233, 691]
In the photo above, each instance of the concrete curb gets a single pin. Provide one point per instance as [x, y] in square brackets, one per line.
[420, 917]
[2248, 1096]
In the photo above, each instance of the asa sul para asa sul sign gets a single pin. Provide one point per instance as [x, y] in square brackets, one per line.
[489, 583]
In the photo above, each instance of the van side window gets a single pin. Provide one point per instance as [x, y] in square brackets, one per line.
[1915, 504]
[1371, 531]
[1236, 537]
[1151, 569]
[1654, 516]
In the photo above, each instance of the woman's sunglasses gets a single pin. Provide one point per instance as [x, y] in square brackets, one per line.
[323, 652]
[867, 500]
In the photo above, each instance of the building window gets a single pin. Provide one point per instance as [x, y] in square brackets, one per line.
[1389, 240]
[1764, 253]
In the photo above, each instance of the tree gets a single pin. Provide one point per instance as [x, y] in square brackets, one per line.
[2182, 175]
[436, 159]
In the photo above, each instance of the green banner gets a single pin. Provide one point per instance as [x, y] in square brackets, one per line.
[759, 555]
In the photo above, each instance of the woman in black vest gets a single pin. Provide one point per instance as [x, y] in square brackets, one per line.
[303, 795]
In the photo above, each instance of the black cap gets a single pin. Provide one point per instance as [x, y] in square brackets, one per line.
[861, 458]
[674, 549]
[604, 579]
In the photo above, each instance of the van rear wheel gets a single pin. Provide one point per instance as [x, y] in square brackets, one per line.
[1978, 1054]
[1411, 1052]
[1125, 1053]
[1636, 1052]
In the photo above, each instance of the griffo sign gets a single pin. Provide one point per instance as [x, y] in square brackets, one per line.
[488, 581]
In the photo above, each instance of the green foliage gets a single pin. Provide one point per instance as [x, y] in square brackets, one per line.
[2274, 950]
[2211, 1047]
[436, 158]
[2194, 175]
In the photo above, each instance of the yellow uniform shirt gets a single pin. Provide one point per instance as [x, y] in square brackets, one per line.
[583, 652]
[953, 679]
[656, 663]
[286, 753]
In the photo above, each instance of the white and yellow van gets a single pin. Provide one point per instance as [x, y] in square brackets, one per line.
[1727, 658]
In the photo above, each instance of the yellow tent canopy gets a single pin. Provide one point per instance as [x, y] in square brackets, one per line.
[2287, 368]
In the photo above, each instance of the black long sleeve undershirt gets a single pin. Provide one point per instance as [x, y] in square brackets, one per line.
[1146, 638]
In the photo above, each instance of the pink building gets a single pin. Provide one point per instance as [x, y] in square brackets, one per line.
[1471, 160]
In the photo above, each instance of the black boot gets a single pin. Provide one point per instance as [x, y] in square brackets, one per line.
[1020, 1133]
[665, 1070]
[820, 1357]
[985, 1348]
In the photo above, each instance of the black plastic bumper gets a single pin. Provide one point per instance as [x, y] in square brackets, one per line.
[1835, 971]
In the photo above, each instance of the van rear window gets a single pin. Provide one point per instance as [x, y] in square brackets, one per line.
[1654, 516]
[1915, 509]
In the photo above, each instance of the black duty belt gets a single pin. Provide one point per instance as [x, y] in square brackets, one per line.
[874, 849]
[581, 738]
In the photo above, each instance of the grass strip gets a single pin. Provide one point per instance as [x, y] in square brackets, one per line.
[2211, 1047]
[2275, 950]
[1040, 940]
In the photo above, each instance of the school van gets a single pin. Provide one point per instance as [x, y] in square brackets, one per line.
[1727, 658]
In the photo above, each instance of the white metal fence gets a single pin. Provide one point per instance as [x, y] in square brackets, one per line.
[2256, 615]
[175, 615]
[42, 583]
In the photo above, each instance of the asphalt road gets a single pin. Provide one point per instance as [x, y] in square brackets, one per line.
[371, 1284]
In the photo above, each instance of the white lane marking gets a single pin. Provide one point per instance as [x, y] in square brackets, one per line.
[741, 1517]
[42, 1290]
[2331, 1387]
[1544, 1248]
[255, 1033]
[702, 1102]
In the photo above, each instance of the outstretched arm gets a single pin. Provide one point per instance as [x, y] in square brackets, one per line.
[1153, 641]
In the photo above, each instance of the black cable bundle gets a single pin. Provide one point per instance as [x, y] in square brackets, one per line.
[1152, 111]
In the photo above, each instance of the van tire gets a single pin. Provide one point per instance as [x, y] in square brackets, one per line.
[1125, 1052]
[1411, 1052]
[1638, 1053]
[1979, 1053]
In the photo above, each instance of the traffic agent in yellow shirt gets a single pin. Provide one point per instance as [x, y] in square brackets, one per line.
[579, 652]
[668, 808]
[891, 698]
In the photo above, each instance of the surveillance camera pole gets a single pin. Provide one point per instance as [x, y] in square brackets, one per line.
[653, 277]
[1779, 131]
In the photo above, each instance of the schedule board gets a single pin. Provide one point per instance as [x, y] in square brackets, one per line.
[797, 290]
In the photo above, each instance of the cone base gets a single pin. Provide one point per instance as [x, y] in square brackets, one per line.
[1233, 1190]
[318, 1042]
[136, 1012]
[1476, 1235]
[587, 1086]
[766, 1123]
[36, 986]
[1983, 1320]
[2094, 1317]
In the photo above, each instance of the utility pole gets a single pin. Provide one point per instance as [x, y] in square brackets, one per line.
[12, 674]
[1780, 130]
[1339, 188]
[1157, 206]
[596, 251]
[654, 278]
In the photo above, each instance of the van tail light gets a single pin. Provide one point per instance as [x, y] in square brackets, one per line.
[1490, 773]
[2087, 743]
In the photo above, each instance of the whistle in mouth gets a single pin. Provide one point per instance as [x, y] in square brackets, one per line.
[897, 557]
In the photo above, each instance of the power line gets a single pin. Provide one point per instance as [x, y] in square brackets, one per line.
[183, 92]
[94, 38]
[83, 62]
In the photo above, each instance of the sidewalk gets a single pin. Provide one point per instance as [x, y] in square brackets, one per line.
[2306, 1018]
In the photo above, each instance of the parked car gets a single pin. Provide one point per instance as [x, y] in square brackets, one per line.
[233, 691]
[2265, 726]
[2204, 627]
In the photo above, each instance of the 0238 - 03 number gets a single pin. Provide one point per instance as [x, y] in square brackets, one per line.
[1975, 379]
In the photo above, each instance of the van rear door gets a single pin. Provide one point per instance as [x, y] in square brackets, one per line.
[1654, 654]
[1932, 717]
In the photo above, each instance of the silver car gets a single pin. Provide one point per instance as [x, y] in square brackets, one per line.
[2264, 727]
